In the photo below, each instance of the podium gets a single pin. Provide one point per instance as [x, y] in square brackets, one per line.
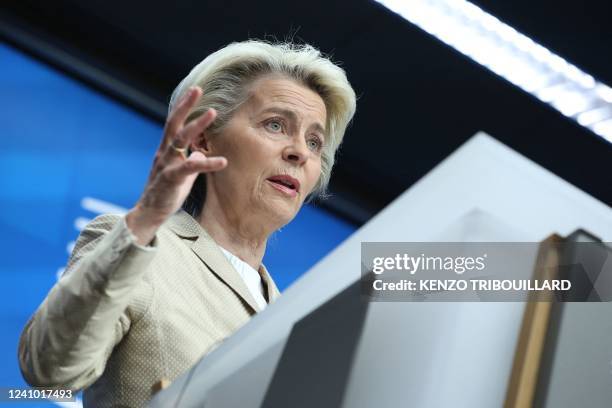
[320, 345]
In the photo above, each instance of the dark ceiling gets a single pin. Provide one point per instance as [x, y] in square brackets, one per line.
[418, 99]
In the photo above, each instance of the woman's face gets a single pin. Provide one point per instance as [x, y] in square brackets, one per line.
[273, 146]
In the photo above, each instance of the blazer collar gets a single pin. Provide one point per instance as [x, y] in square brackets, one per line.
[183, 225]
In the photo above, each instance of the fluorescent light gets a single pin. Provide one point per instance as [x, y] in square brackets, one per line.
[514, 57]
[595, 115]
[604, 91]
[604, 128]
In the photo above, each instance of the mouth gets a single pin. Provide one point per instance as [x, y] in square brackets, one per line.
[286, 184]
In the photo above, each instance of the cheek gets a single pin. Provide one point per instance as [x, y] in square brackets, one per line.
[314, 174]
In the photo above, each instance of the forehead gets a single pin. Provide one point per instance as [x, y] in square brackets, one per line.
[273, 91]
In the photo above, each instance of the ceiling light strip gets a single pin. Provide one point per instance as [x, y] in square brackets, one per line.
[514, 57]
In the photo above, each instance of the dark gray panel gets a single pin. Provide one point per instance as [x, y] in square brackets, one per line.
[317, 359]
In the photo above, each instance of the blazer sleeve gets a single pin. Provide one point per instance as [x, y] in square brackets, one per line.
[68, 340]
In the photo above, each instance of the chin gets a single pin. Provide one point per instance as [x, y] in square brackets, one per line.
[282, 214]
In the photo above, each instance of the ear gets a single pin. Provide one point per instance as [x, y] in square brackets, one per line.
[202, 144]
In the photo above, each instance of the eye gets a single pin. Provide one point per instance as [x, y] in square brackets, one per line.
[274, 125]
[315, 143]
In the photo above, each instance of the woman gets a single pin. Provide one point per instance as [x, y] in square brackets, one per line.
[145, 296]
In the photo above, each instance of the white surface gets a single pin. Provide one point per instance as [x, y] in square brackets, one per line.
[451, 354]
[483, 175]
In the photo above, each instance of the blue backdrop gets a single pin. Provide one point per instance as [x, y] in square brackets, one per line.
[67, 154]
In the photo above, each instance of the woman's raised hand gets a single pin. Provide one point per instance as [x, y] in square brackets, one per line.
[173, 173]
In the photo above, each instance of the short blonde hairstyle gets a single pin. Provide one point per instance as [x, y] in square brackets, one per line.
[226, 74]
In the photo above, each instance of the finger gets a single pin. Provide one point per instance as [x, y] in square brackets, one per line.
[179, 114]
[177, 147]
[194, 128]
[196, 163]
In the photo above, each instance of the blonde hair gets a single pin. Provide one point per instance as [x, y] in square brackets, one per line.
[226, 74]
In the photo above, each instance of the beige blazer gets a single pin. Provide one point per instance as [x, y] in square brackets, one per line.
[123, 317]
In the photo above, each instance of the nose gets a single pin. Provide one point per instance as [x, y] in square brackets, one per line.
[296, 152]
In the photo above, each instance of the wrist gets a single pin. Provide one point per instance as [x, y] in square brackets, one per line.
[144, 216]
[143, 225]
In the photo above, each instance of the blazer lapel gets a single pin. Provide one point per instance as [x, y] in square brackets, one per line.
[271, 289]
[208, 251]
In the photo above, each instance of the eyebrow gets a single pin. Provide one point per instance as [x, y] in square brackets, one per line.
[291, 115]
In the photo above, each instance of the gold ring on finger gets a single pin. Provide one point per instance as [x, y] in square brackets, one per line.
[181, 150]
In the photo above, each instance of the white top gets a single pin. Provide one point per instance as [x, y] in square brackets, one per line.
[250, 276]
